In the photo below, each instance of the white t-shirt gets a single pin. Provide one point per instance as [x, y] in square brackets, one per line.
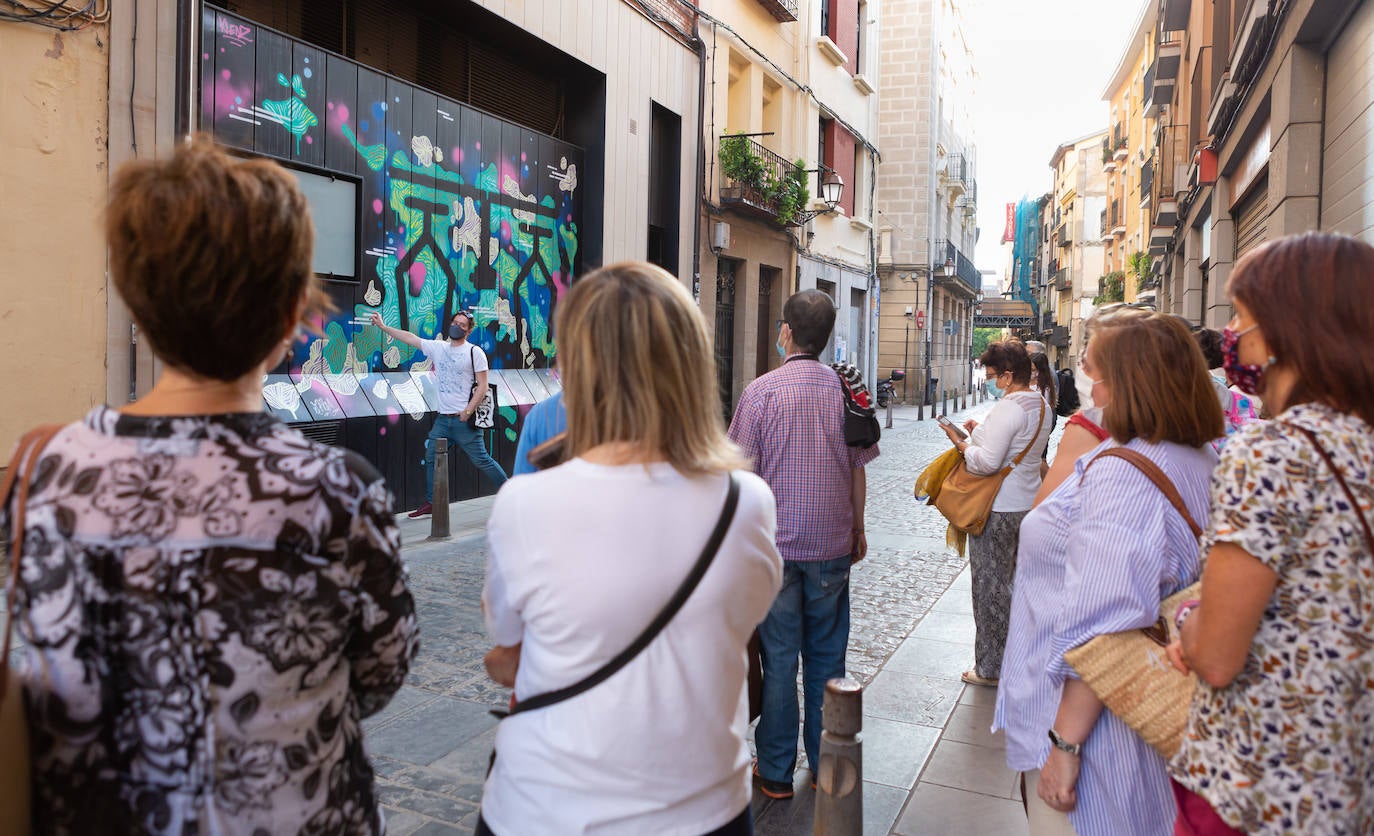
[455, 367]
[997, 442]
[583, 556]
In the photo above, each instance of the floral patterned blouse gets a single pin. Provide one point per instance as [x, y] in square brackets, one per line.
[1288, 746]
[211, 605]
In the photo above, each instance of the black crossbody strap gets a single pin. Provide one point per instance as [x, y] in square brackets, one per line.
[606, 671]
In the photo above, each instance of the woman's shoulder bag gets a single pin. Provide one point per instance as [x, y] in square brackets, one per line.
[14, 729]
[966, 498]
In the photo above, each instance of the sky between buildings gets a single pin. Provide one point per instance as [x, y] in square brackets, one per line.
[1042, 66]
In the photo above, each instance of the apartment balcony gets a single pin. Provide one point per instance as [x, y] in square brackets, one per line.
[1063, 234]
[957, 175]
[1057, 335]
[783, 11]
[958, 268]
[1147, 87]
[1174, 16]
[759, 182]
[1161, 237]
[1062, 281]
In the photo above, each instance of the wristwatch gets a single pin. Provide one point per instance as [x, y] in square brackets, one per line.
[1075, 749]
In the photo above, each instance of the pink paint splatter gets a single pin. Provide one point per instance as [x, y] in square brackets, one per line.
[377, 206]
[224, 74]
[417, 278]
[522, 156]
[205, 56]
[342, 111]
[455, 155]
[478, 146]
[309, 140]
[505, 230]
[330, 105]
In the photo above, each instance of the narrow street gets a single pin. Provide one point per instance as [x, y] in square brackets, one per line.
[430, 746]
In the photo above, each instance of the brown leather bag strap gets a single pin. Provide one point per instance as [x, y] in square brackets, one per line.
[1039, 424]
[16, 485]
[1349, 494]
[1152, 471]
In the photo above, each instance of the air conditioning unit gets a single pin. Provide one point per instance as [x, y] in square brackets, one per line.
[720, 235]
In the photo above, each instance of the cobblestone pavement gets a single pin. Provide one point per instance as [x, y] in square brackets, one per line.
[431, 745]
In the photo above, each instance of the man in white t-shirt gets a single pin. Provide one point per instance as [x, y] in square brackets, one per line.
[457, 364]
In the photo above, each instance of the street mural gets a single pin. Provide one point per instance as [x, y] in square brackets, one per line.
[459, 210]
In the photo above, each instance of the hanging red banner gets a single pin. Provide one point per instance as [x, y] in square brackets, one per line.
[1009, 234]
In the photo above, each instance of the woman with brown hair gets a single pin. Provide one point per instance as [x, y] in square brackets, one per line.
[1097, 556]
[1014, 434]
[1281, 731]
[211, 601]
[659, 746]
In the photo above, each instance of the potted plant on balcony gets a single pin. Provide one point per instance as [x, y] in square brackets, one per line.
[741, 166]
[790, 194]
[1139, 264]
[1112, 287]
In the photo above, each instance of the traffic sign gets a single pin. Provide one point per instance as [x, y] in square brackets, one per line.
[920, 320]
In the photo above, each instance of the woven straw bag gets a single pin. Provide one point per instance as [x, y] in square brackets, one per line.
[1130, 671]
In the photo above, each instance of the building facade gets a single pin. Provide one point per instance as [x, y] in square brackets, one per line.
[467, 155]
[790, 105]
[1128, 158]
[926, 198]
[1076, 266]
[1270, 128]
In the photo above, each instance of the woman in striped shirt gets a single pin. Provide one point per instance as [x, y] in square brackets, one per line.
[1097, 556]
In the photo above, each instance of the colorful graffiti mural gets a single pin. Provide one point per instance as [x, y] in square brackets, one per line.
[461, 211]
[458, 210]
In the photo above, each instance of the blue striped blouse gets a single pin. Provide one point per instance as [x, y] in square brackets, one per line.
[1097, 556]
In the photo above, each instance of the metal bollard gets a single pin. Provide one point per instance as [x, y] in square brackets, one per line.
[839, 781]
[963, 402]
[438, 520]
[921, 410]
[888, 425]
[944, 403]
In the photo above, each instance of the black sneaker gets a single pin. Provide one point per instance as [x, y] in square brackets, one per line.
[779, 790]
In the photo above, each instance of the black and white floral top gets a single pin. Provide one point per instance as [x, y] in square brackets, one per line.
[211, 605]
[1288, 746]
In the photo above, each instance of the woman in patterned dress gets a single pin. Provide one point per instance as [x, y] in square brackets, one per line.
[211, 602]
[1281, 731]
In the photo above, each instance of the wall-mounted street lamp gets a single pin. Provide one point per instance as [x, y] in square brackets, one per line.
[832, 191]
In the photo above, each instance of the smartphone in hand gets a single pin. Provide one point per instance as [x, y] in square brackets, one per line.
[948, 424]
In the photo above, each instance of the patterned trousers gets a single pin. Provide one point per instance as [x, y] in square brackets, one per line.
[992, 562]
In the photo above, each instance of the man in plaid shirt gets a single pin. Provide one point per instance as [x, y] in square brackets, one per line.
[791, 423]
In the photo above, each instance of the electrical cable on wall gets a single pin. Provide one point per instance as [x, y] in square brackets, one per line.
[61, 15]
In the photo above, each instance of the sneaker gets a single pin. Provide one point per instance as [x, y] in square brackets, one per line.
[778, 790]
[423, 511]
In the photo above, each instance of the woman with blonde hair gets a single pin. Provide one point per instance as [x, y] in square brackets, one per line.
[586, 554]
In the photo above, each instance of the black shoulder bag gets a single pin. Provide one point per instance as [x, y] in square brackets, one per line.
[684, 591]
[860, 422]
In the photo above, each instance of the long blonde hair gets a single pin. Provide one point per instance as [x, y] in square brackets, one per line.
[637, 367]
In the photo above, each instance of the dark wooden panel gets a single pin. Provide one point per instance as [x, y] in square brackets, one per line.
[209, 49]
[341, 108]
[276, 106]
[234, 79]
[312, 65]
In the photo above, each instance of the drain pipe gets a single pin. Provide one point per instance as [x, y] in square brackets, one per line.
[698, 208]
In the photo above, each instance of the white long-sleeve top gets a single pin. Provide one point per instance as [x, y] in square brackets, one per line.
[998, 440]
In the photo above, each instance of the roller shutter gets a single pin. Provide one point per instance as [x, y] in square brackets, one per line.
[1347, 161]
[1252, 218]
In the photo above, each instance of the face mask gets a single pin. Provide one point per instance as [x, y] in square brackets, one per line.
[782, 352]
[457, 332]
[1084, 386]
[1244, 376]
[997, 391]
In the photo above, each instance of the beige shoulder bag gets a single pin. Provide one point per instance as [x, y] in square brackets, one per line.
[966, 499]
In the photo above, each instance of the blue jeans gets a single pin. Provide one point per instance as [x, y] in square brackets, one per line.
[459, 434]
[810, 619]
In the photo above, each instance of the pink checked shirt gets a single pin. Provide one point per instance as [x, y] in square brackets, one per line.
[791, 423]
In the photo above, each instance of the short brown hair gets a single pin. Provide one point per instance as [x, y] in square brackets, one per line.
[810, 314]
[1160, 388]
[637, 366]
[212, 254]
[1310, 295]
[1008, 356]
